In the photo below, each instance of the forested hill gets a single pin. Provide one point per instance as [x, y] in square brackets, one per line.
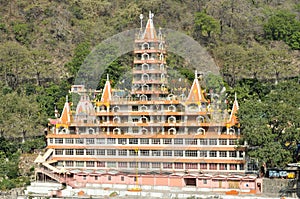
[255, 43]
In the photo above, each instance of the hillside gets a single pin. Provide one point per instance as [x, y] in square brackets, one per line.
[255, 44]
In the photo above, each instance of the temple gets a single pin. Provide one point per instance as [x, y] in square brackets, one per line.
[150, 137]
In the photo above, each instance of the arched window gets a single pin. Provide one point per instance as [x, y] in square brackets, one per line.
[116, 131]
[231, 131]
[161, 56]
[145, 77]
[145, 66]
[116, 119]
[145, 46]
[144, 131]
[143, 98]
[162, 67]
[144, 119]
[172, 119]
[161, 46]
[200, 119]
[171, 108]
[115, 108]
[91, 131]
[145, 58]
[200, 131]
[162, 77]
[145, 87]
[143, 108]
[172, 131]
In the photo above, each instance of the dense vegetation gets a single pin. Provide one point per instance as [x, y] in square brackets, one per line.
[255, 43]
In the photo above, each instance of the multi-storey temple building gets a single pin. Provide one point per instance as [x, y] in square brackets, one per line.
[150, 137]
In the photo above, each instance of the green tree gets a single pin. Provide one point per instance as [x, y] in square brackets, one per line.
[205, 26]
[270, 124]
[283, 25]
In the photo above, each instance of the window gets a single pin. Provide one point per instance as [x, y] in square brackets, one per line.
[223, 166]
[167, 165]
[122, 178]
[100, 140]
[133, 141]
[155, 153]
[133, 164]
[59, 151]
[69, 141]
[122, 164]
[222, 141]
[232, 141]
[90, 163]
[167, 141]
[69, 152]
[213, 142]
[204, 181]
[167, 153]
[83, 177]
[212, 154]
[90, 141]
[178, 165]
[232, 154]
[178, 153]
[178, 141]
[51, 140]
[222, 154]
[79, 141]
[213, 166]
[191, 166]
[111, 152]
[133, 152]
[202, 153]
[109, 178]
[233, 166]
[122, 152]
[203, 141]
[90, 152]
[79, 151]
[156, 141]
[190, 141]
[144, 152]
[203, 165]
[111, 140]
[122, 141]
[241, 166]
[79, 164]
[96, 177]
[191, 153]
[58, 140]
[100, 164]
[144, 141]
[69, 163]
[100, 151]
[156, 165]
[111, 164]
[145, 165]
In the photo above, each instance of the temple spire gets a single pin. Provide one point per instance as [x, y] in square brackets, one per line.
[150, 32]
[106, 95]
[196, 94]
[235, 107]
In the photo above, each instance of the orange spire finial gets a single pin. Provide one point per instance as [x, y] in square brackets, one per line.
[106, 95]
[196, 94]
[150, 32]
[233, 118]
